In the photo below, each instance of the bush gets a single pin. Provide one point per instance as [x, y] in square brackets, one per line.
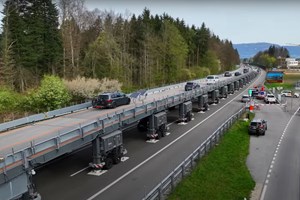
[51, 95]
[82, 88]
[86, 88]
[9, 100]
[107, 85]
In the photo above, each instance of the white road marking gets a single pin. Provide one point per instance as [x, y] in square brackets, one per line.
[161, 150]
[79, 171]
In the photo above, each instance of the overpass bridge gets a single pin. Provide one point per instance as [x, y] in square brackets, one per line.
[24, 148]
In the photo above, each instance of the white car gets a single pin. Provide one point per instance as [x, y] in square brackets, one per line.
[212, 79]
[288, 93]
[270, 98]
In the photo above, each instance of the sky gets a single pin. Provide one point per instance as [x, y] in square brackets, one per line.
[240, 21]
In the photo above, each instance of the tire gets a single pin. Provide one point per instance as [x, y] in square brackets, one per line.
[108, 163]
[117, 155]
[114, 105]
[263, 133]
[128, 102]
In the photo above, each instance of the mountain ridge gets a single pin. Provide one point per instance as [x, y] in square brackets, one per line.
[248, 50]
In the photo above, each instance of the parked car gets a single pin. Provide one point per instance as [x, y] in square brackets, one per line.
[270, 98]
[237, 74]
[227, 74]
[245, 98]
[212, 79]
[191, 86]
[257, 127]
[289, 93]
[110, 100]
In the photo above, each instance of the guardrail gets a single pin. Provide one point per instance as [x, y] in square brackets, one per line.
[168, 184]
[43, 116]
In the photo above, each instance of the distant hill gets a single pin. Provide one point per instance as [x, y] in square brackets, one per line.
[248, 50]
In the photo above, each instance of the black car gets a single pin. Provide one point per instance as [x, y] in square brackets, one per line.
[257, 127]
[245, 70]
[191, 86]
[227, 74]
[237, 74]
[110, 100]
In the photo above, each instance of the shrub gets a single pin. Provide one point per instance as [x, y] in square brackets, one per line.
[107, 85]
[83, 88]
[9, 100]
[52, 94]
[86, 88]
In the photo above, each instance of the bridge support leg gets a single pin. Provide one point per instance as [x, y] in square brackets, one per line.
[185, 112]
[202, 102]
[157, 126]
[96, 164]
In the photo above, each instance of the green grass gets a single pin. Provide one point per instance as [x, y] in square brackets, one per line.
[289, 81]
[222, 174]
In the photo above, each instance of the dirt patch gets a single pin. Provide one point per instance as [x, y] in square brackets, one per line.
[255, 194]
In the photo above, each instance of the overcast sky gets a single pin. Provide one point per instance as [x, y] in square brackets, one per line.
[241, 21]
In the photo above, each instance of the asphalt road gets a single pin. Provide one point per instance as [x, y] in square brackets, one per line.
[147, 165]
[274, 159]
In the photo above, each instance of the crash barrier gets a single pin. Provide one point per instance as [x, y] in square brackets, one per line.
[43, 116]
[165, 187]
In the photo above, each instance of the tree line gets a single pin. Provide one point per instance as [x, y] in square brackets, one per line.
[270, 58]
[65, 39]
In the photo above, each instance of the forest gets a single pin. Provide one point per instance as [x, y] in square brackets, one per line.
[63, 41]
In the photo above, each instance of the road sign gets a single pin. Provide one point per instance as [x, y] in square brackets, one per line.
[250, 92]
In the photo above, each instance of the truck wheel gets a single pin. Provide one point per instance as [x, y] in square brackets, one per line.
[116, 159]
[108, 163]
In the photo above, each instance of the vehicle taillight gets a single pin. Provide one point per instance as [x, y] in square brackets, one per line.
[109, 101]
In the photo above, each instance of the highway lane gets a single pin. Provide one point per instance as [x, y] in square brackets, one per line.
[284, 178]
[54, 180]
[262, 148]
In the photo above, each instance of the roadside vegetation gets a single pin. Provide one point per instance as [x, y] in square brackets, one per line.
[87, 47]
[222, 174]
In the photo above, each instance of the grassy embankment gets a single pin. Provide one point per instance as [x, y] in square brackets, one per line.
[289, 81]
[222, 173]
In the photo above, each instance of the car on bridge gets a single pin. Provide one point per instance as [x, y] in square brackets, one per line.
[212, 79]
[227, 74]
[257, 127]
[110, 100]
[237, 74]
[191, 86]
